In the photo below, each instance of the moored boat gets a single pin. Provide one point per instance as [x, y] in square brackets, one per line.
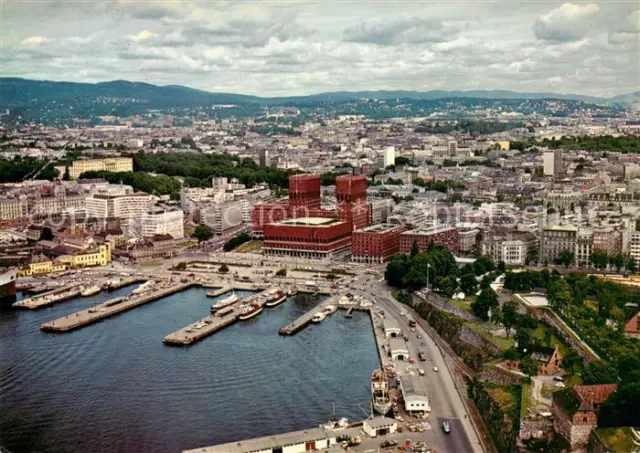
[226, 302]
[330, 309]
[292, 291]
[90, 291]
[8, 286]
[380, 398]
[319, 317]
[146, 286]
[276, 299]
[249, 311]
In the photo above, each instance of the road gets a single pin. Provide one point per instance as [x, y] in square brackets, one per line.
[446, 403]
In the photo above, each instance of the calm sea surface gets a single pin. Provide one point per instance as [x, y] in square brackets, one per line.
[114, 386]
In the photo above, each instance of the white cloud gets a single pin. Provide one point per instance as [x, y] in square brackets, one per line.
[303, 47]
[34, 41]
[568, 22]
[142, 36]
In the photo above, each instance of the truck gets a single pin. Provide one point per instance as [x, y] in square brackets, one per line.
[310, 283]
[412, 323]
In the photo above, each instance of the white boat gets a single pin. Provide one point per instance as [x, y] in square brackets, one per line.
[380, 398]
[146, 286]
[92, 290]
[292, 291]
[249, 311]
[330, 309]
[319, 317]
[276, 299]
[334, 424]
[227, 301]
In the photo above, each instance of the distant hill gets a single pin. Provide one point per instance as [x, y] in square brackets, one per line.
[60, 102]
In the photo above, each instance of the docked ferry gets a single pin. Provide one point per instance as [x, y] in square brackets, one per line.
[380, 397]
[8, 286]
[276, 299]
[225, 302]
[249, 311]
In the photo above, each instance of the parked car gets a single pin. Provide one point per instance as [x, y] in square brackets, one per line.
[435, 368]
[388, 443]
[446, 427]
[421, 356]
[558, 378]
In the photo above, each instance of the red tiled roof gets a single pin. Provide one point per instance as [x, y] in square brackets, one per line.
[595, 394]
[633, 326]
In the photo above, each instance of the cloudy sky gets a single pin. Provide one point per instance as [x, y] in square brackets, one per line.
[287, 47]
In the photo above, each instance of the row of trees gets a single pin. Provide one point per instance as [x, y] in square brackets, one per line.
[140, 181]
[600, 259]
[198, 169]
[437, 266]
[236, 242]
[20, 168]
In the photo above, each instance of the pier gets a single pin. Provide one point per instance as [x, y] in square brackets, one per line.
[124, 282]
[211, 324]
[305, 319]
[219, 291]
[50, 297]
[110, 308]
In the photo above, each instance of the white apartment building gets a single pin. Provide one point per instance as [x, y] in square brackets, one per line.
[514, 252]
[12, 209]
[222, 217]
[389, 156]
[133, 206]
[163, 221]
[634, 245]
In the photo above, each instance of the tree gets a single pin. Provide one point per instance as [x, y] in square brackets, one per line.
[599, 372]
[66, 176]
[468, 284]
[599, 259]
[524, 337]
[509, 315]
[529, 366]
[559, 293]
[483, 264]
[203, 233]
[632, 265]
[223, 269]
[571, 361]
[446, 285]
[488, 299]
[617, 260]
[565, 257]
[281, 273]
[501, 268]
[414, 249]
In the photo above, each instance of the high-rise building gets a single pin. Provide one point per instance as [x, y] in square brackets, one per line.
[223, 217]
[351, 197]
[556, 239]
[160, 221]
[389, 156]
[304, 193]
[552, 162]
[263, 158]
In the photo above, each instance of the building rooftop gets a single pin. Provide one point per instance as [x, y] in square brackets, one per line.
[430, 230]
[268, 442]
[380, 228]
[310, 221]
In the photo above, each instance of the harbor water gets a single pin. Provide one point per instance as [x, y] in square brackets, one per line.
[114, 386]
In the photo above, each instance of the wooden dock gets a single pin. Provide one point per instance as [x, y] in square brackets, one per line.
[110, 308]
[305, 319]
[208, 325]
[200, 329]
[219, 291]
[50, 297]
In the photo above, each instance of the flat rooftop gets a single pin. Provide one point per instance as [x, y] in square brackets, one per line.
[429, 230]
[380, 228]
[267, 442]
[311, 221]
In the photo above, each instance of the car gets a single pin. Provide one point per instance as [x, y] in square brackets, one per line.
[559, 384]
[388, 443]
[418, 336]
[421, 372]
[558, 378]
[421, 356]
[446, 427]
[435, 368]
